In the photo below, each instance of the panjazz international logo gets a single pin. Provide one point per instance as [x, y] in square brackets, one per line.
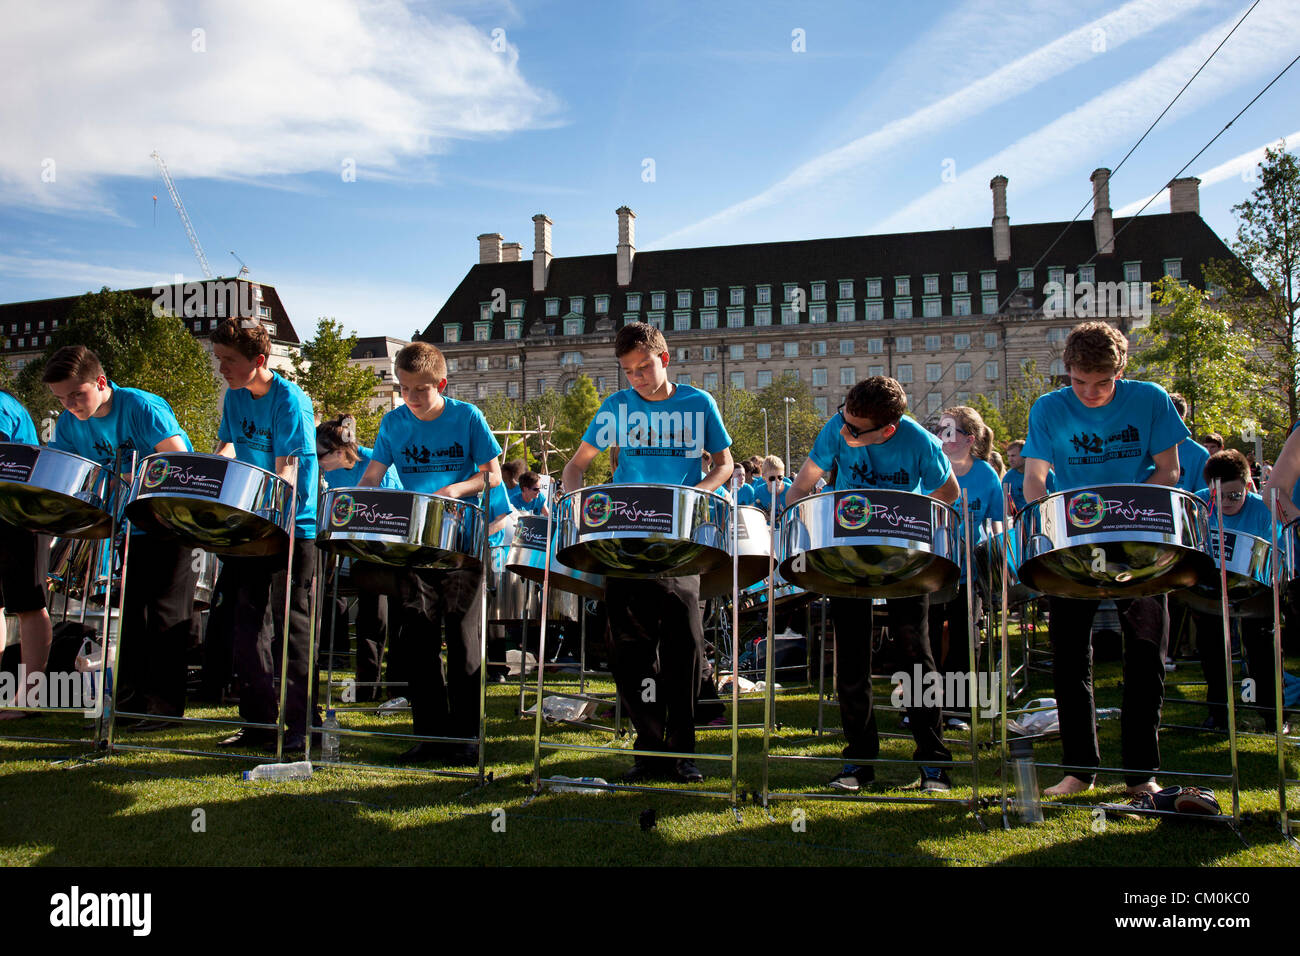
[1086, 509]
[156, 473]
[341, 512]
[853, 512]
[596, 509]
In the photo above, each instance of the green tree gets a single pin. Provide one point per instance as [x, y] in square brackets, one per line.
[1021, 395]
[577, 408]
[322, 369]
[138, 349]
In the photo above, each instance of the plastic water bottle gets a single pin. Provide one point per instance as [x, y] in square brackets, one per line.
[329, 741]
[1029, 803]
[565, 784]
[301, 770]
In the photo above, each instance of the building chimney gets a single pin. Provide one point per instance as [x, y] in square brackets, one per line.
[512, 252]
[489, 247]
[626, 243]
[1001, 224]
[1185, 195]
[1103, 227]
[541, 251]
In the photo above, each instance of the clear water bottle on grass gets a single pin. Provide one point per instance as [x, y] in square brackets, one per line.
[329, 739]
[301, 770]
[1029, 804]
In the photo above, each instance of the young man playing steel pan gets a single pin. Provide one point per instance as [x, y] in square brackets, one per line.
[444, 447]
[870, 444]
[1103, 429]
[99, 418]
[655, 624]
[23, 559]
[268, 421]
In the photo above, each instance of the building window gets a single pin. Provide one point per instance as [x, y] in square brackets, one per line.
[1058, 367]
[933, 372]
[630, 317]
[875, 370]
[658, 300]
[453, 365]
[600, 384]
[763, 294]
[737, 295]
[817, 314]
[1026, 278]
[709, 353]
[576, 303]
[763, 316]
[905, 374]
[517, 309]
[818, 347]
[931, 284]
[1056, 274]
[1087, 274]
[764, 378]
[989, 304]
[574, 326]
[482, 331]
[634, 301]
[995, 397]
[684, 378]
[683, 355]
[933, 343]
[789, 316]
[789, 291]
[848, 375]
[738, 380]
[541, 386]
[552, 306]
[262, 310]
[961, 305]
[602, 304]
[1174, 268]
[903, 343]
[819, 377]
[763, 350]
[711, 381]
[1057, 336]
[846, 346]
[735, 318]
[681, 321]
[844, 312]
[451, 333]
[902, 308]
[988, 281]
[962, 371]
[512, 361]
[990, 340]
[821, 405]
[903, 285]
[710, 298]
[875, 346]
[931, 308]
[819, 292]
[1133, 272]
[571, 358]
[735, 352]
[791, 350]
[481, 390]
[793, 373]
[846, 288]
[959, 282]
[656, 319]
[683, 300]
[709, 319]
[932, 402]
[512, 389]
[514, 329]
[873, 289]
[481, 363]
[961, 340]
[991, 370]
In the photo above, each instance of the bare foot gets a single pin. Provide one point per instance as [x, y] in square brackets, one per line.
[12, 714]
[1149, 787]
[1067, 786]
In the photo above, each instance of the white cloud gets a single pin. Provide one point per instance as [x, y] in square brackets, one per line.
[1239, 166]
[277, 89]
[1130, 21]
[77, 277]
[1108, 120]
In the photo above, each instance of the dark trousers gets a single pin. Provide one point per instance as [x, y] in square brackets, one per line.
[430, 601]
[957, 658]
[159, 626]
[909, 624]
[1257, 648]
[656, 649]
[1144, 623]
[253, 585]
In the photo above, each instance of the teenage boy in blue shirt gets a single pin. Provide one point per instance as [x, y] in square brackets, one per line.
[24, 558]
[869, 443]
[1105, 429]
[444, 447]
[655, 624]
[268, 421]
[99, 418]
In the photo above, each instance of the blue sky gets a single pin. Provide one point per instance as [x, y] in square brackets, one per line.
[762, 121]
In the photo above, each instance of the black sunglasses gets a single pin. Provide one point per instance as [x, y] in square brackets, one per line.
[858, 432]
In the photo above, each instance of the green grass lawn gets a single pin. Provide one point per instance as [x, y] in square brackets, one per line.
[139, 808]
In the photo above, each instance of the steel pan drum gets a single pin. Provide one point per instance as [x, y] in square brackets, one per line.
[68, 562]
[868, 542]
[1114, 541]
[1249, 563]
[527, 558]
[510, 599]
[785, 596]
[645, 530]
[206, 586]
[402, 528]
[988, 568]
[755, 547]
[212, 502]
[55, 492]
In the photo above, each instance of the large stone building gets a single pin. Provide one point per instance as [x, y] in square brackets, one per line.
[376, 352]
[950, 314]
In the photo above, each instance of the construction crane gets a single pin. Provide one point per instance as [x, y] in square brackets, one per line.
[185, 219]
[243, 267]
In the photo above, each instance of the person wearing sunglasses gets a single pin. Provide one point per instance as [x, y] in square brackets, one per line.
[869, 443]
[1245, 512]
[774, 479]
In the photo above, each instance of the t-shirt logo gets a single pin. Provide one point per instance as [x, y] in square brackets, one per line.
[1093, 449]
[103, 447]
[862, 471]
[1086, 444]
[421, 455]
[259, 438]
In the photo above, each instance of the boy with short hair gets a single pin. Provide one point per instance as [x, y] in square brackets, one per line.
[268, 421]
[99, 418]
[530, 500]
[1013, 482]
[444, 447]
[774, 479]
[1103, 429]
[655, 624]
[870, 443]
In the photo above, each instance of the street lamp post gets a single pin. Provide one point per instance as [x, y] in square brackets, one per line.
[788, 401]
[765, 451]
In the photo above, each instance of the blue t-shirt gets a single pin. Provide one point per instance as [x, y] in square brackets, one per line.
[431, 455]
[659, 442]
[533, 507]
[1113, 444]
[135, 419]
[1253, 518]
[498, 504]
[16, 424]
[351, 477]
[911, 459]
[745, 494]
[984, 498]
[1192, 456]
[280, 424]
[763, 497]
[1014, 482]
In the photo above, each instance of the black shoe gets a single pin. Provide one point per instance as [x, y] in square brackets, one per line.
[462, 755]
[852, 778]
[424, 752]
[257, 739]
[644, 770]
[687, 772]
[295, 743]
[936, 779]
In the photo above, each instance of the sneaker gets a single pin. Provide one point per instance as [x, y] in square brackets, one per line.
[935, 778]
[687, 772]
[1197, 800]
[852, 778]
[905, 722]
[957, 724]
